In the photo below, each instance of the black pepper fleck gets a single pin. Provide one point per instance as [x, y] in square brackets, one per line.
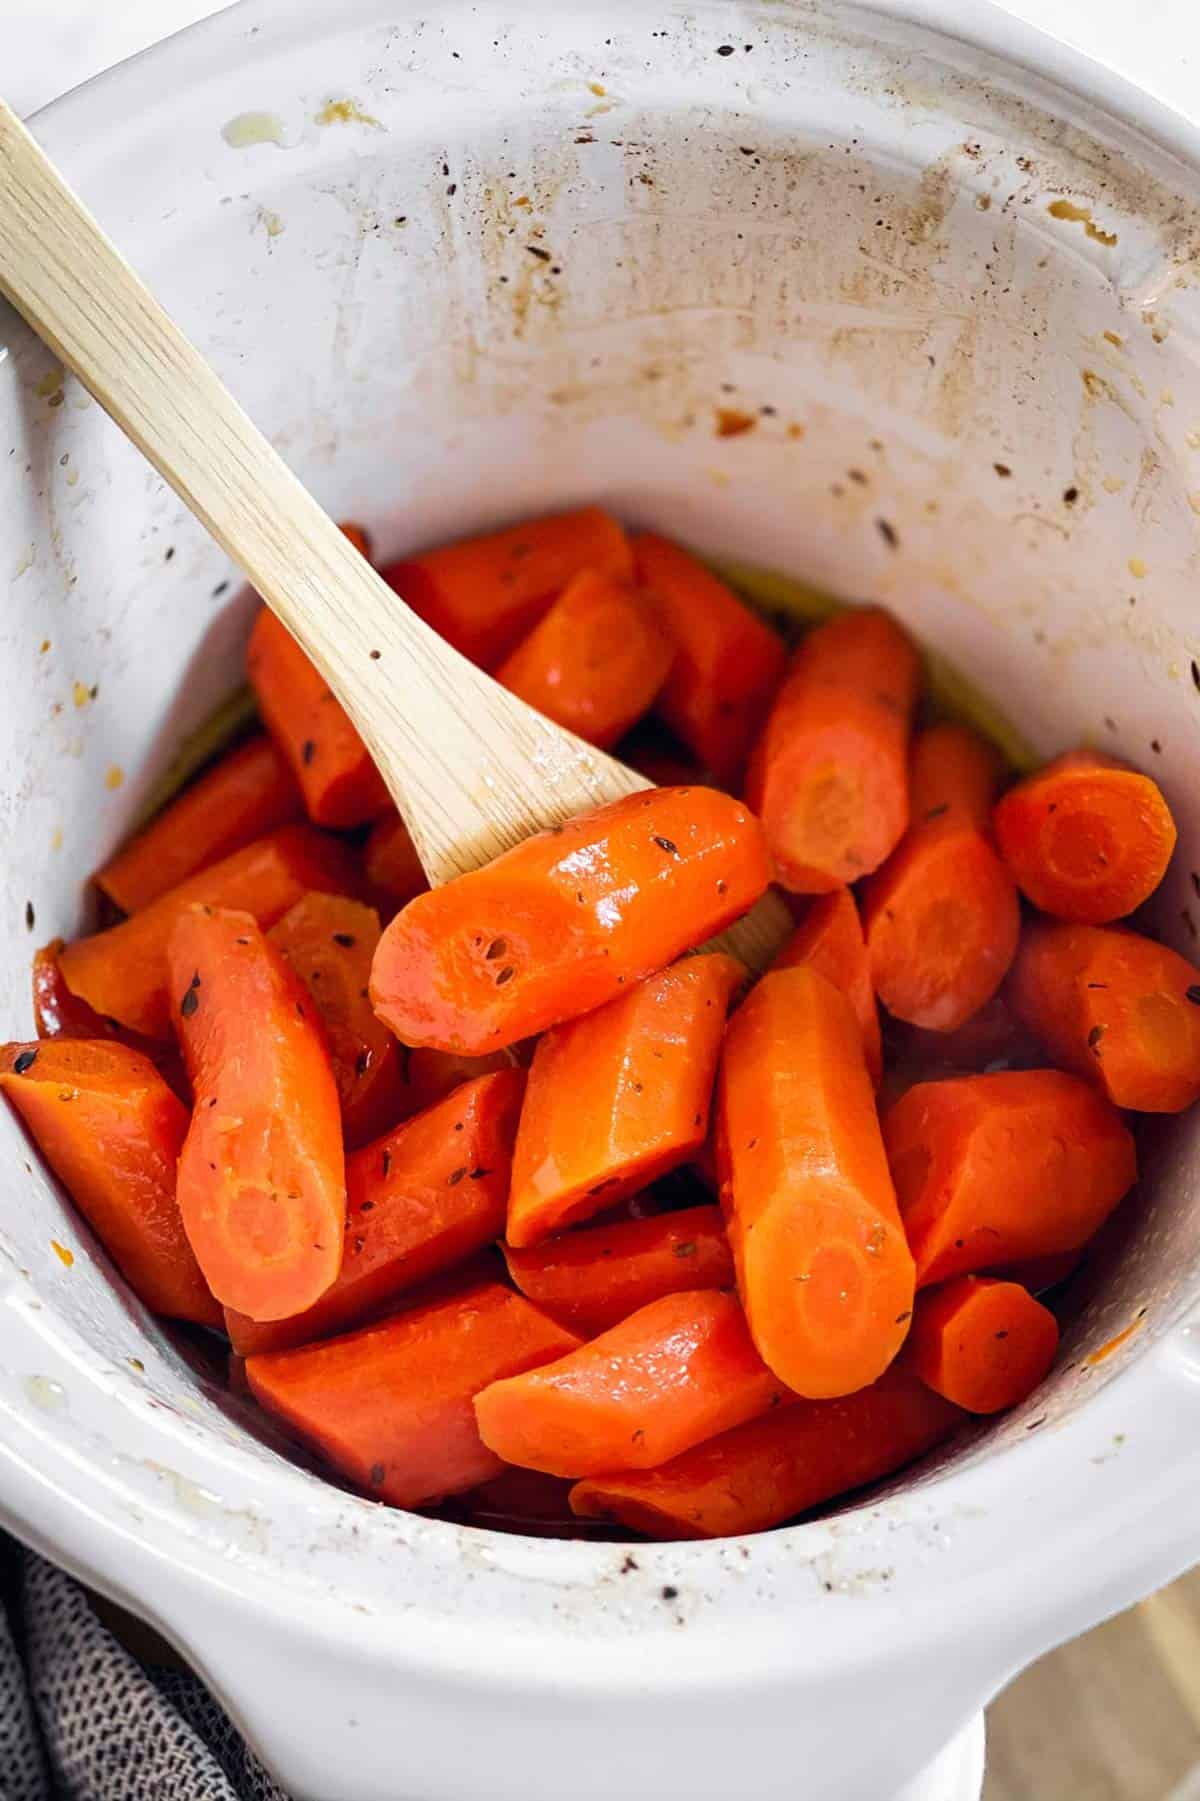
[506, 975]
[25, 1061]
[1193, 994]
[377, 1475]
[722, 50]
[308, 751]
[888, 533]
[30, 917]
[543, 256]
[455, 1177]
[666, 844]
[387, 1162]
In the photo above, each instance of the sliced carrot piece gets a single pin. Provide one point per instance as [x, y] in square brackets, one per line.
[829, 776]
[111, 1130]
[830, 938]
[561, 923]
[262, 1184]
[823, 1268]
[997, 1168]
[390, 861]
[484, 594]
[983, 1344]
[390, 1406]
[1088, 838]
[620, 1096]
[1115, 1007]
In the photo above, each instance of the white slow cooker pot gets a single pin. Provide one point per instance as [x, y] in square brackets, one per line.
[468, 262]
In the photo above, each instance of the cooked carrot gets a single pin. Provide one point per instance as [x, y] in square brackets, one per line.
[830, 938]
[111, 1129]
[593, 1279]
[983, 1344]
[1115, 1007]
[941, 917]
[262, 1184]
[1088, 838]
[390, 1406]
[418, 1201]
[620, 1096]
[242, 797]
[997, 1168]
[674, 1373]
[823, 1268]
[792, 1460]
[727, 665]
[122, 972]
[562, 922]
[829, 776]
[484, 594]
[390, 862]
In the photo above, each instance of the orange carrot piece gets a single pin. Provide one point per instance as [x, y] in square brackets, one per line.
[998, 1168]
[390, 861]
[728, 663]
[418, 1201]
[983, 1344]
[485, 594]
[823, 1268]
[830, 938]
[1115, 1007]
[767, 1472]
[829, 776]
[390, 1406]
[242, 797]
[111, 1129]
[1088, 838]
[620, 1096]
[562, 922]
[262, 1184]
[674, 1373]
[594, 1279]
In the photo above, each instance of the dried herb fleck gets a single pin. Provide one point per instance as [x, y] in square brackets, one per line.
[1093, 1039]
[25, 1061]
[666, 844]
[1193, 994]
[345, 939]
[377, 1475]
[308, 751]
[506, 975]
[455, 1177]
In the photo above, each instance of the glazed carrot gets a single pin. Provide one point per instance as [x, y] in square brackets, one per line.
[562, 922]
[111, 1129]
[484, 594]
[1115, 1007]
[792, 1460]
[728, 663]
[418, 1201]
[830, 938]
[390, 1406]
[674, 1373]
[997, 1168]
[390, 861]
[620, 1096]
[593, 1279]
[262, 1182]
[242, 797]
[829, 776]
[941, 917]
[823, 1268]
[983, 1344]
[1088, 838]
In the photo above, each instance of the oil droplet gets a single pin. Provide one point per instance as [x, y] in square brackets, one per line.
[51, 383]
[345, 112]
[46, 1394]
[188, 1494]
[1113, 338]
[271, 223]
[245, 129]
[44, 646]
[81, 694]
[732, 423]
[1113, 484]
[1114, 1344]
[114, 776]
[598, 88]
[135, 1363]
[65, 1257]
[1137, 568]
[1081, 215]
[56, 838]
[25, 561]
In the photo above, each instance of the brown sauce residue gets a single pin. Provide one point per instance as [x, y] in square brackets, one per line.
[1082, 215]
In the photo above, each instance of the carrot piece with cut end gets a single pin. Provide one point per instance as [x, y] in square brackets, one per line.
[111, 1130]
[1088, 837]
[562, 922]
[262, 1186]
[57, 1013]
[122, 972]
[620, 1096]
[829, 775]
[390, 861]
[593, 1279]
[242, 797]
[483, 595]
[983, 1344]
[1115, 1007]
[994, 1169]
[830, 938]
[390, 1406]
[674, 1373]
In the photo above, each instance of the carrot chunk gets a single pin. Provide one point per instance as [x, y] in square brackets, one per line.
[1115, 1007]
[484, 595]
[983, 1344]
[620, 1096]
[261, 1175]
[727, 664]
[830, 938]
[674, 1373]
[390, 861]
[111, 1129]
[829, 776]
[390, 1406]
[1088, 838]
[559, 924]
[995, 1169]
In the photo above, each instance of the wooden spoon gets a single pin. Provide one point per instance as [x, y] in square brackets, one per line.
[472, 769]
